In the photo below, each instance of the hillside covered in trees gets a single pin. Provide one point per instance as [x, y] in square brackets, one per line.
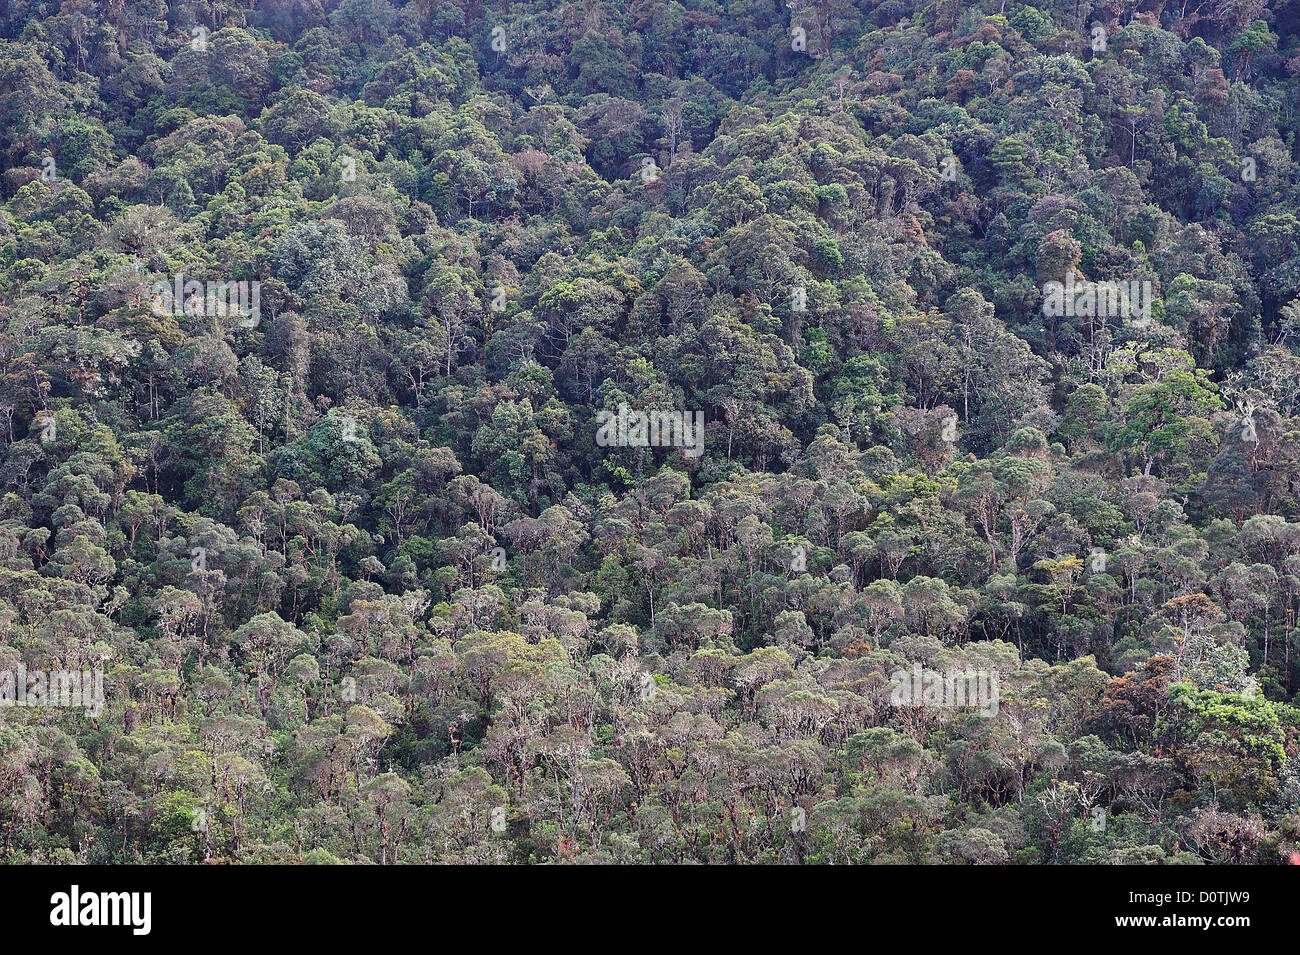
[326, 332]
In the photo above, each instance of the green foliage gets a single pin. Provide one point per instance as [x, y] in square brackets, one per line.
[365, 587]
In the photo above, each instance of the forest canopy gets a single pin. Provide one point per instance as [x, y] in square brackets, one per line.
[650, 431]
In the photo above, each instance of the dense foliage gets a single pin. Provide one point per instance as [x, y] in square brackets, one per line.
[364, 586]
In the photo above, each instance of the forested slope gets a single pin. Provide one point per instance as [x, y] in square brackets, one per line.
[367, 584]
